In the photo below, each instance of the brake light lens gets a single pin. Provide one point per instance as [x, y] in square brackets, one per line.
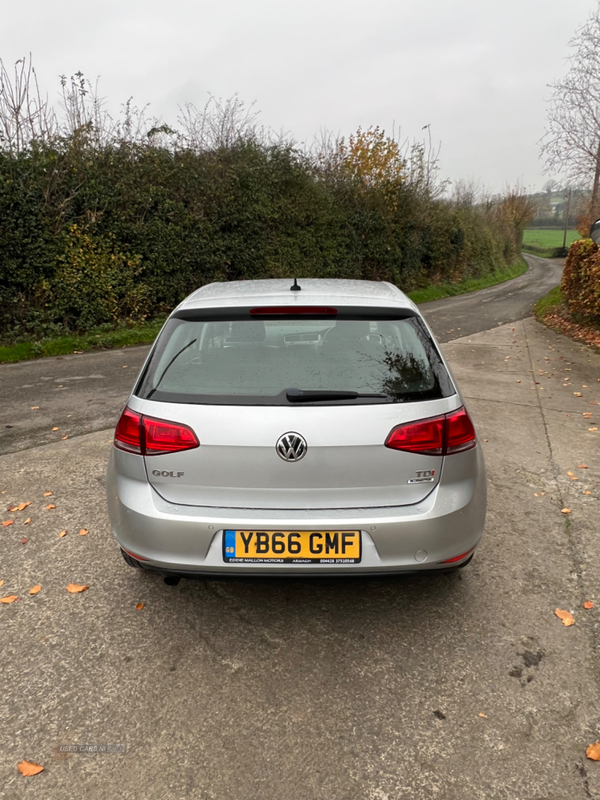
[167, 437]
[292, 311]
[127, 434]
[425, 436]
[147, 436]
[437, 436]
[461, 433]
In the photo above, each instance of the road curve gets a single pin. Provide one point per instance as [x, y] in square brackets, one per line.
[467, 314]
[79, 394]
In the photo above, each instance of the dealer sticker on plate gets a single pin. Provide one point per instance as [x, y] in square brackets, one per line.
[292, 547]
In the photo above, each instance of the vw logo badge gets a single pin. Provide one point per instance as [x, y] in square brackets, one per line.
[291, 447]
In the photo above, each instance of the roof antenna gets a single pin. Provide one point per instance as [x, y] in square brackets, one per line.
[295, 287]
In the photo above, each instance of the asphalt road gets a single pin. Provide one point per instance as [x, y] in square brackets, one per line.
[79, 394]
[466, 314]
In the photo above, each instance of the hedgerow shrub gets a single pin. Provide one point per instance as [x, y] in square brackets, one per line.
[95, 233]
[580, 283]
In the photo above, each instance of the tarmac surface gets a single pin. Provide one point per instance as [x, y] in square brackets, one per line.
[459, 687]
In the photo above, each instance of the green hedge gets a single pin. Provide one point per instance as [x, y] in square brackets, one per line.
[93, 235]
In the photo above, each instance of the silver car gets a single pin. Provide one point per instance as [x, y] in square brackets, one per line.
[305, 428]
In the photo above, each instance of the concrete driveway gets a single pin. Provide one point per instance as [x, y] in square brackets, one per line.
[459, 687]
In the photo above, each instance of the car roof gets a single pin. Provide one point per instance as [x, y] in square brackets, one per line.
[314, 291]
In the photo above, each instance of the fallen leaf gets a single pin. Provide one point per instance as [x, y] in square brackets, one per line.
[543, 493]
[23, 506]
[78, 352]
[485, 440]
[588, 604]
[565, 511]
[593, 751]
[584, 386]
[577, 394]
[570, 474]
[9, 598]
[29, 768]
[54, 429]
[35, 589]
[65, 437]
[518, 381]
[1, 583]
[581, 466]
[83, 532]
[76, 588]
[587, 492]
[483, 715]
[8, 522]
[27, 521]
[573, 478]
[48, 494]
[534, 494]
[50, 506]
[61, 534]
[566, 616]
[592, 429]
[24, 540]
[11, 508]
[139, 606]
[34, 408]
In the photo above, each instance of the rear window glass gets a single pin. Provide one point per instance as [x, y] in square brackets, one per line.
[255, 361]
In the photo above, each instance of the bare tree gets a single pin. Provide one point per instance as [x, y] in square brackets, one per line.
[219, 124]
[571, 144]
[24, 113]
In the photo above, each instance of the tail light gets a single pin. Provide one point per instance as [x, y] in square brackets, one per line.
[436, 436]
[147, 436]
[127, 434]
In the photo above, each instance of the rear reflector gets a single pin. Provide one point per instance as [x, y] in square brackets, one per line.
[292, 311]
[437, 436]
[147, 436]
[457, 558]
[134, 555]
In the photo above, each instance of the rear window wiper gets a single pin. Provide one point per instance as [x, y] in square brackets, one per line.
[308, 396]
[164, 372]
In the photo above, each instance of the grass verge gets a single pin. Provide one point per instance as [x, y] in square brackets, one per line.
[96, 339]
[472, 285]
[552, 312]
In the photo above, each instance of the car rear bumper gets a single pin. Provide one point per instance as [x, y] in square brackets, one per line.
[188, 539]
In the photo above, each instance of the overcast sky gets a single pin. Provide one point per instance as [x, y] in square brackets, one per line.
[475, 70]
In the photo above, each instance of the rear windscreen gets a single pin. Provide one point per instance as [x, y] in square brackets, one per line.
[255, 361]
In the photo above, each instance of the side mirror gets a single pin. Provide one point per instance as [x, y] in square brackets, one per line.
[595, 232]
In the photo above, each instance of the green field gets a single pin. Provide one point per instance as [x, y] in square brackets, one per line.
[546, 239]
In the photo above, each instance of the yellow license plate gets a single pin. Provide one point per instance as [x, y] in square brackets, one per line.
[292, 547]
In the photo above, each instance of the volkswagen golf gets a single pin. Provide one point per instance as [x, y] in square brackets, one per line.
[305, 428]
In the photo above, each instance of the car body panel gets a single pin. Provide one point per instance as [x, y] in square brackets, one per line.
[188, 539]
[346, 465]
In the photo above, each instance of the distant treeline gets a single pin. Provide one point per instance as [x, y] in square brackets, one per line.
[110, 228]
